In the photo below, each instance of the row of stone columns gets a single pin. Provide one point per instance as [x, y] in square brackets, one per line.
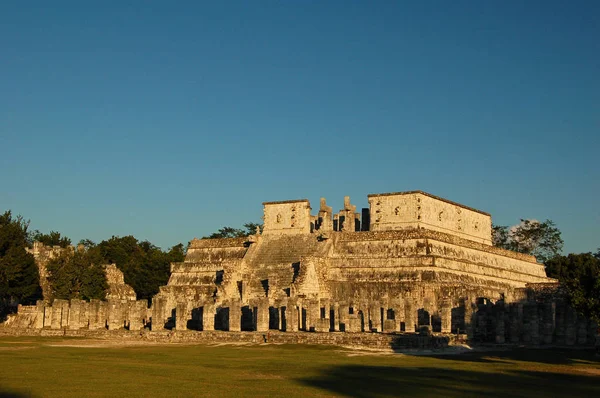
[95, 314]
[313, 315]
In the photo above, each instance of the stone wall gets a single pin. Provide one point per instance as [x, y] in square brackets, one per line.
[416, 209]
[112, 314]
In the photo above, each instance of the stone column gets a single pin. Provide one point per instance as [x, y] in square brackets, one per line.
[336, 320]
[39, 319]
[181, 316]
[158, 319]
[375, 323]
[115, 315]
[235, 316]
[47, 316]
[208, 317]
[75, 314]
[548, 322]
[291, 317]
[446, 315]
[262, 317]
[470, 318]
[409, 316]
[500, 332]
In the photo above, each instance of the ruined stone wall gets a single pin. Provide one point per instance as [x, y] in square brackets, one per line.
[80, 314]
[417, 209]
[288, 217]
[42, 255]
[117, 288]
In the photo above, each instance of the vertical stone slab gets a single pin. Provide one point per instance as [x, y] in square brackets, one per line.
[262, 316]
[180, 316]
[114, 314]
[75, 314]
[235, 316]
[336, 320]
[292, 317]
[548, 322]
[446, 316]
[47, 316]
[64, 321]
[57, 307]
[410, 315]
[500, 332]
[39, 320]
[158, 317]
[343, 316]
[208, 317]
[470, 318]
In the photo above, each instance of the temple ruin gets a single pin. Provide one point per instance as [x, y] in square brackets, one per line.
[410, 261]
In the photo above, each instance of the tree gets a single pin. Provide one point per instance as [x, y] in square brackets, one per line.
[229, 232]
[19, 276]
[145, 266]
[579, 275]
[77, 275]
[540, 239]
[52, 239]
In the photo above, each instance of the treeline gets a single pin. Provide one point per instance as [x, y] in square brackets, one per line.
[77, 273]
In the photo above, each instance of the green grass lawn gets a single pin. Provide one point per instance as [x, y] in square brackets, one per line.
[41, 367]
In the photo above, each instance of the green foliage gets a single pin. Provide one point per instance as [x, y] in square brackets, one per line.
[229, 232]
[579, 274]
[77, 275]
[52, 239]
[19, 277]
[540, 239]
[145, 266]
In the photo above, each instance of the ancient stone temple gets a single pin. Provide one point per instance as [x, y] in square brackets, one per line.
[410, 262]
[410, 259]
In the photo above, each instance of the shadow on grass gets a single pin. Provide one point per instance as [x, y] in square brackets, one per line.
[8, 394]
[369, 381]
[555, 356]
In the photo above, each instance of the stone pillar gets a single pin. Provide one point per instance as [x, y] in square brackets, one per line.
[262, 317]
[235, 316]
[548, 322]
[158, 310]
[336, 320]
[181, 316]
[343, 313]
[208, 317]
[47, 316]
[515, 322]
[446, 315]
[137, 313]
[409, 316]
[64, 321]
[470, 320]
[500, 332]
[57, 307]
[115, 315]
[291, 317]
[39, 319]
[75, 314]
[376, 323]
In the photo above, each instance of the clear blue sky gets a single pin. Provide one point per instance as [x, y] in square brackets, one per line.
[168, 120]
